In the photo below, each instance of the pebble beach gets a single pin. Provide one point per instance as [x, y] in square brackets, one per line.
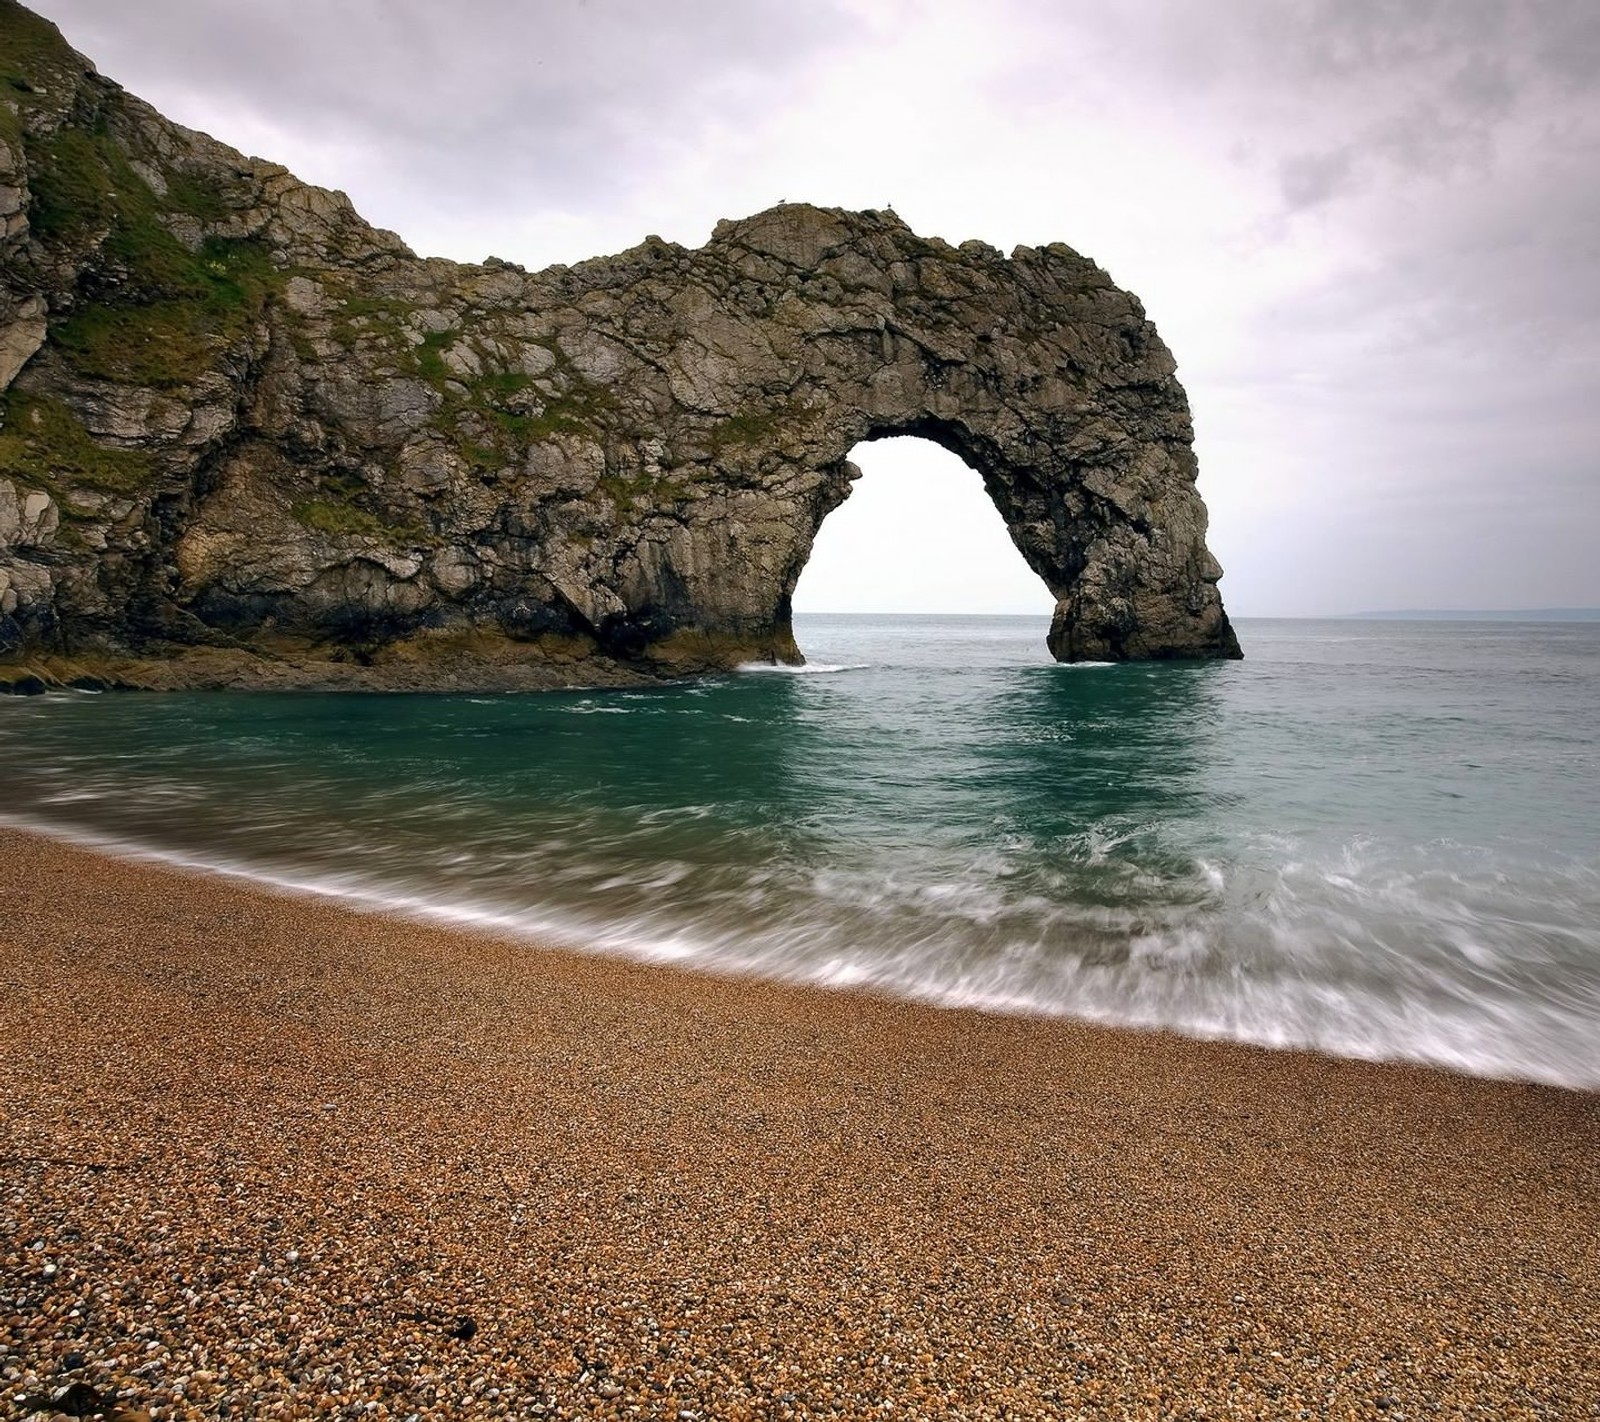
[268, 1157]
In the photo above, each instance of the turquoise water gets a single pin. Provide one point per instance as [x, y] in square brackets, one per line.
[1381, 839]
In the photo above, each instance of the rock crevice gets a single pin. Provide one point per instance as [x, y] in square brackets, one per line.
[250, 440]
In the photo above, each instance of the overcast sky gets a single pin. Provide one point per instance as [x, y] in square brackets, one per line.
[1369, 229]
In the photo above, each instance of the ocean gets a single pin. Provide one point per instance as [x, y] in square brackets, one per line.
[1377, 839]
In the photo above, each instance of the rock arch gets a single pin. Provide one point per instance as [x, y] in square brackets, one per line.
[250, 440]
[1035, 370]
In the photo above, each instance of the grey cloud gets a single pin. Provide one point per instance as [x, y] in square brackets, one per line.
[1310, 179]
[1429, 139]
[1431, 85]
[568, 100]
[1357, 38]
[1564, 38]
[1420, 87]
[1482, 84]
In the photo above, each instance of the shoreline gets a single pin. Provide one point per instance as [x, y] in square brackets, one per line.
[550, 931]
[259, 1136]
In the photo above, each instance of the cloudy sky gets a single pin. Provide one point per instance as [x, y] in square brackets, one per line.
[1369, 229]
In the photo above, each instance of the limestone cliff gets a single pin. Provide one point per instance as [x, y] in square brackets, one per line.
[249, 440]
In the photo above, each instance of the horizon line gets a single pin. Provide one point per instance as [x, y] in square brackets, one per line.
[1529, 614]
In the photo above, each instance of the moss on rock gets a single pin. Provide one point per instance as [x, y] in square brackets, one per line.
[44, 443]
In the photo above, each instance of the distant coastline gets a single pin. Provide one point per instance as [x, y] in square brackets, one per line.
[1437, 614]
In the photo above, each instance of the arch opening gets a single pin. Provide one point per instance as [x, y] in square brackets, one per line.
[919, 533]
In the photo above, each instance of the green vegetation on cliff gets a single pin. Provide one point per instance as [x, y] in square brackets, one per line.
[340, 507]
[43, 443]
[506, 408]
[33, 56]
[168, 329]
[153, 310]
[340, 518]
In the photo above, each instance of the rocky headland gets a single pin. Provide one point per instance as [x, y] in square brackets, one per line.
[249, 440]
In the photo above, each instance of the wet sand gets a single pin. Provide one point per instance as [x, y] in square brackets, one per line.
[266, 1157]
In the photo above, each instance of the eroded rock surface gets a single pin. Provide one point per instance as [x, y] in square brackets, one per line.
[250, 440]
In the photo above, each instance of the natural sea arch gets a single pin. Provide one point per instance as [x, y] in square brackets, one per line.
[1036, 371]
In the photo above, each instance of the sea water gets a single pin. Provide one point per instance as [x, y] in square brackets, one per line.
[1377, 839]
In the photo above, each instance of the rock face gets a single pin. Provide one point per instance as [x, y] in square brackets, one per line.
[250, 440]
